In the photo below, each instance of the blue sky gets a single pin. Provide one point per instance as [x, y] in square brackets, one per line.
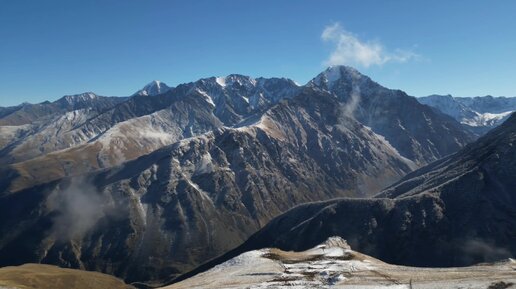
[52, 48]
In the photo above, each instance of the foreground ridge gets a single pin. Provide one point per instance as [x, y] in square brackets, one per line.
[333, 264]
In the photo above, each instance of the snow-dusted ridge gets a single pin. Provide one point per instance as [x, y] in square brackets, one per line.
[72, 99]
[333, 264]
[241, 93]
[274, 145]
[477, 112]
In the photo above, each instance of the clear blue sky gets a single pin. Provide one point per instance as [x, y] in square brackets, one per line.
[52, 48]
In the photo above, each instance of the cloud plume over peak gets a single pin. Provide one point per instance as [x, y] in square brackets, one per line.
[350, 50]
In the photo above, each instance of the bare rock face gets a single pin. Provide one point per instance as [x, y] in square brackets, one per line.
[415, 130]
[454, 212]
[81, 133]
[86, 132]
[179, 206]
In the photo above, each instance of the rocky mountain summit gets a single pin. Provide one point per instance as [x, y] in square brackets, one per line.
[153, 88]
[415, 130]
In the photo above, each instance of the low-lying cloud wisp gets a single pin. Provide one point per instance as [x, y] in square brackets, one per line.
[79, 207]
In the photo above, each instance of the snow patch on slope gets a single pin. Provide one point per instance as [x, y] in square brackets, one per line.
[487, 119]
[333, 265]
[208, 98]
[221, 81]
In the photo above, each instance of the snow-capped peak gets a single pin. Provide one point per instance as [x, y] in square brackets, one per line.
[243, 80]
[153, 88]
[77, 98]
[333, 74]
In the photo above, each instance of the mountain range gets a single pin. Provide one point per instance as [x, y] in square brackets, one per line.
[457, 211]
[479, 114]
[150, 186]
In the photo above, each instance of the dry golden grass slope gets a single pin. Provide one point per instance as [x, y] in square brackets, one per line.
[51, 277]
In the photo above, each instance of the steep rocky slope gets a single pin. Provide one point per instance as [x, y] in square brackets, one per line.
[457, 211]
[81, 120]
[415, 130]
[84, 140]
[122, 142]
[161, 183]
[449, 105]
[173, 209]
[31, 130]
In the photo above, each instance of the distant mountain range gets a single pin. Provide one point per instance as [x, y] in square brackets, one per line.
[150, 186]
[479, 114]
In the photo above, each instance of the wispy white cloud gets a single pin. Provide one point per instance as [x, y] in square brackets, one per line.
[350, 50]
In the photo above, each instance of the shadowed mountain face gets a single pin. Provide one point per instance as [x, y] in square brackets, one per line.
[457, 211]
[175, 208]
[159, 184]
